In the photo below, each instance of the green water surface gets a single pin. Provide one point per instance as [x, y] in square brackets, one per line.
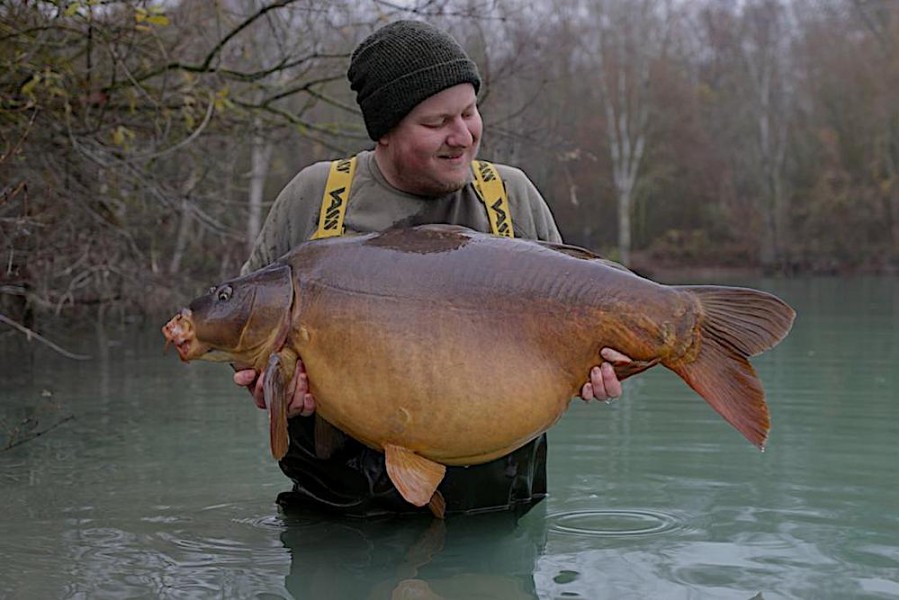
[152, 479]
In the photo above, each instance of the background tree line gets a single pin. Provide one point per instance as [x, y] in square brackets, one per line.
[141, 143]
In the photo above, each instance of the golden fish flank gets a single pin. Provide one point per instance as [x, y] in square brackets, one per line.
[379, 319]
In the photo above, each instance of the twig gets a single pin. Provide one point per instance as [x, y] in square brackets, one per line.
[206, 65]
[18, 442]
[11, 151]
[29, 333]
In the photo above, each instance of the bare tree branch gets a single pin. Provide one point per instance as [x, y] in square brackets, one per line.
[32, 334]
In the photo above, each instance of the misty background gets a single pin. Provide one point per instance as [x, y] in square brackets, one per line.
[142, 143]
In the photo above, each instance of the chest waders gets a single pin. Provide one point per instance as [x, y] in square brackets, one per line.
[354, 480]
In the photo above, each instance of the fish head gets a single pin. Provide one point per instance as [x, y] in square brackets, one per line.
[241, 320]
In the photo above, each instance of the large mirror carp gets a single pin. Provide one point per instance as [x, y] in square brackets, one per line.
[441, 346]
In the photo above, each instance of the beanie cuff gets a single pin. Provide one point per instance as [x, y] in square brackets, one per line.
[387, 105]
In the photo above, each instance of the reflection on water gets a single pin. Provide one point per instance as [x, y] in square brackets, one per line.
[480, 556]
[151, 479]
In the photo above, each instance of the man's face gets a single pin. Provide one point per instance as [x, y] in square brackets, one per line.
[429, 152]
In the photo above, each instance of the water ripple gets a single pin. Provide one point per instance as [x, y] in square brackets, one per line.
[273, 523]
[614, 522]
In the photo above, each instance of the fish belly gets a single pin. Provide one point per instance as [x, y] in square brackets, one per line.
[459, 348]
[456, 386]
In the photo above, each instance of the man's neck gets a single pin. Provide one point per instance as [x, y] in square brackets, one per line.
[384, 166]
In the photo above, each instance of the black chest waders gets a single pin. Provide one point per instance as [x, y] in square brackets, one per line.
[354, 480]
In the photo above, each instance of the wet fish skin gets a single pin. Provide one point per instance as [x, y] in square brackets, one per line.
[442, 345]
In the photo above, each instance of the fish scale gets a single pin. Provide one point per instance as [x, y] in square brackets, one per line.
[381, 319]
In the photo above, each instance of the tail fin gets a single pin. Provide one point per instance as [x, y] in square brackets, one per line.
[736, 323]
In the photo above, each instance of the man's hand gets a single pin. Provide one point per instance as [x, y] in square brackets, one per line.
[604, 384]
[301, 401]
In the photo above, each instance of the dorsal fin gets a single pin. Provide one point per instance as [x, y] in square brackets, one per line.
[582, 253]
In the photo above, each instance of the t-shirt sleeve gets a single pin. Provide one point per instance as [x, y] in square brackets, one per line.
[544, 223]
[531, 216]
[291, 219]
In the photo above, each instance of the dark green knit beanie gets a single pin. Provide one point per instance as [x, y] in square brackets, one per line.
[402, 64]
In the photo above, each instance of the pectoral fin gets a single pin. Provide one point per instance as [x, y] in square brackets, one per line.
[416, 477]
[276, 392]
[328, 439]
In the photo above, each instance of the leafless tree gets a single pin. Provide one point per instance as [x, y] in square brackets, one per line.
[624, 40]
[141, 142]
[766, 48]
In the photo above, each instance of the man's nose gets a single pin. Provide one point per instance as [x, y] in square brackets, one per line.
[460, 135]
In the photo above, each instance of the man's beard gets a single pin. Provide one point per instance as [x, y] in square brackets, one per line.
[430, 184]
[449, 187]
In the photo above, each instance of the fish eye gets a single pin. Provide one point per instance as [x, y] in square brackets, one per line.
[224, 293]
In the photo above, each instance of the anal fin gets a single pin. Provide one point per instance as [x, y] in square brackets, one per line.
[415, 476]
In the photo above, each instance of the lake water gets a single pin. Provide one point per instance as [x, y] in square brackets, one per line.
[152, 479]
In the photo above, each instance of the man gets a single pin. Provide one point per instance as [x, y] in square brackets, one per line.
[417, 90]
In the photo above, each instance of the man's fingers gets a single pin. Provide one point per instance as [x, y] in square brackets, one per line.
[251, 380]
[308, 405]
[302, 386]
[259, 391]
[244, 377]
[301, 401]
[614, 356]
[603, 384]
[587, 392]
[610, 384]
[302, 406]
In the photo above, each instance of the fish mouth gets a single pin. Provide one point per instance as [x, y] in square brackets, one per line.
[179, 331]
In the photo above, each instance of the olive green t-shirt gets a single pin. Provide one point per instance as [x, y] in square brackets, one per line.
[375, 205]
